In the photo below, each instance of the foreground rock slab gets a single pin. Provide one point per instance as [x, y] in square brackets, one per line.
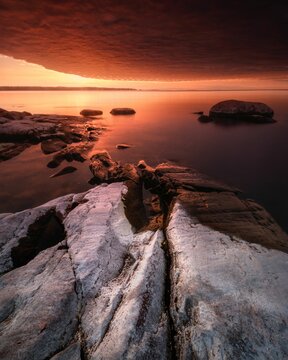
[210, 284]
[229, 296]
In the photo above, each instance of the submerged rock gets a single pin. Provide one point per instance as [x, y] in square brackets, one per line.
[212, 283]
[10, 150]
[71, 153]
[52, 145]
[123, 146]
[54, 131]
[205, 118]
[64, 171]
[89, 112]
[122, 111]
[242, 110]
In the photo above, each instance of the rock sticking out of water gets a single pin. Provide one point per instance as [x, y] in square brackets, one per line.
[64, 171]
[50, 146]
[89, 112]
[19, 130]
[122, 111]
[210, 280]
[123, 146]
[234, 111]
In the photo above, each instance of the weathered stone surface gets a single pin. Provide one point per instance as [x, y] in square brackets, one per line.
[40, 307]
[54, 131]
[25, 129]
[89, 112]
[10, 150]
[211, 285]
[122, 111]
[229, 297]
[242, 110]
[50, 146]
[71, 153]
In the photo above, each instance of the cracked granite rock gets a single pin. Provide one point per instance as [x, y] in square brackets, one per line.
[80, 282]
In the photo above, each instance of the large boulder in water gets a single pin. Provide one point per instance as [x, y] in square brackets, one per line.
[122, 111]
[89, 112]
[242, 110]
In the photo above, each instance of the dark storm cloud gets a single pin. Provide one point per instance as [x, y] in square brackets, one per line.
[133, 39]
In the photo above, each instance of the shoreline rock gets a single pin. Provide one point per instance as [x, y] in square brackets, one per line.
[54, 132]
[211, 280]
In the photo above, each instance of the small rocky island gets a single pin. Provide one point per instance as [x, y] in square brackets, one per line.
[234, 111]
[192, 271]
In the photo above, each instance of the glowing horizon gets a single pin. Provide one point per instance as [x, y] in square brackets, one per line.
[14, 72]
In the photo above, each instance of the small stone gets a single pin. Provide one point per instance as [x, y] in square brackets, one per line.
[123, 146]
[89, 112]
[64, 171]
[122, 111]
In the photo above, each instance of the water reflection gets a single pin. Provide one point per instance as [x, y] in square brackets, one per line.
[249, 156]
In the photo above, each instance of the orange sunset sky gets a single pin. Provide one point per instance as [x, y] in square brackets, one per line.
[147, 44]
[21, 73]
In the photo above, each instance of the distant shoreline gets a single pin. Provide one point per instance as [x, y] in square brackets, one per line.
[89, 88]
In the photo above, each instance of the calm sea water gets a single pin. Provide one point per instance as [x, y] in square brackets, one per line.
[251, 157]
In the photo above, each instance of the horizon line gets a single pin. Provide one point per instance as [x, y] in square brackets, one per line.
[99, 88]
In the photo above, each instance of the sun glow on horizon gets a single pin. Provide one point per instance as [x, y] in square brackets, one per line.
[14, 72]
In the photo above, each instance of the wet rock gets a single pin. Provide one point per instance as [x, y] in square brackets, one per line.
[104, 168]
[123, 146]
[10, 150]
[25, 130]
[242, 110]
[71, 153]
[89, 112]
[213, 282]
[50, 146]
[205, 118]
[228, 295]
[122, 111]
[64, 171]
[13, 115]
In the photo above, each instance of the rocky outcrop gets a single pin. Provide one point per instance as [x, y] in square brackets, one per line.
[122, 111]
[209, 283]
[19, 130]
[70, 153]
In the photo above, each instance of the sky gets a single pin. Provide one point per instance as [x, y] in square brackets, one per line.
[145, 44]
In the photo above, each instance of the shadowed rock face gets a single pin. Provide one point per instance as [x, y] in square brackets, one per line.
[210, 284]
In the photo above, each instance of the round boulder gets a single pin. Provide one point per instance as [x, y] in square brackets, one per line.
[89, 112]
[122, 111]
[242, 110]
